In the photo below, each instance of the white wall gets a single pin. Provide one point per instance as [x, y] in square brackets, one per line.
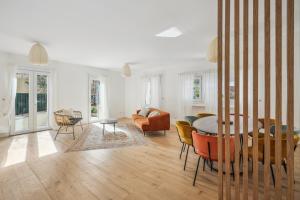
[70, 86]
[170, 87]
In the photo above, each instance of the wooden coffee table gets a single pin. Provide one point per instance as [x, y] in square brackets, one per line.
[108, 121]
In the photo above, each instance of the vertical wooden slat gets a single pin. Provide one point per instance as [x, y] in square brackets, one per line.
[245, 98]
[220, 100]
[267, 102]
[227, 102]
[290, 98]
[255, 99]
[237, 97]
[278, 109]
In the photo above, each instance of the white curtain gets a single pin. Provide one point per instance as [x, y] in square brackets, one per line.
[155, 92]
[210, 90]
[104, 98]
[155, 82]
[7, 92]
[185, 96]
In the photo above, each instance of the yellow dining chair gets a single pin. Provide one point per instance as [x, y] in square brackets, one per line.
[204, 114]
[184, 131]
[261, 154]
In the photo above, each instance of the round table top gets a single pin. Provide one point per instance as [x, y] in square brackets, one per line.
[210, 125]
[108, 121]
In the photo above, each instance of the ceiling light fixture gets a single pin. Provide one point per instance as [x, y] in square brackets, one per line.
[212, 54]
[126, 70]
[170, 33]
[38, 55]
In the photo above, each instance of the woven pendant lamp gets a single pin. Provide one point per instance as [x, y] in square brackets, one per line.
[38, 55]
[212, 54]
[126, 70]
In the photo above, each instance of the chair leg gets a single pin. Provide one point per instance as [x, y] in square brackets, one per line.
[73, 133]
[81, 126]
[186, 156]
[232, 168]
[57, 132]
[196, 171]
[184, 147]
[272, 172]
[284, 166]
[204, 161]
[181, 150]
[211, 165]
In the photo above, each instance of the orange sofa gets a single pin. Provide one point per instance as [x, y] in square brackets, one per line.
[160, 122]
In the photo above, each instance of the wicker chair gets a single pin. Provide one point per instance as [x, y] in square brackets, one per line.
[66, 120]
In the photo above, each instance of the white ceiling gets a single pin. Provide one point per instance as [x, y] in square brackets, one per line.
[108, 33]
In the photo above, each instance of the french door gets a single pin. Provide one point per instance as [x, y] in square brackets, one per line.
[94, 99]
[31, 111]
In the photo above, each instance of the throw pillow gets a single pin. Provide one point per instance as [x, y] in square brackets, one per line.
[144, 112]
[154, 113]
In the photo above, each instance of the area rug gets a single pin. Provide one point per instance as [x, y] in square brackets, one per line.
[92, 137]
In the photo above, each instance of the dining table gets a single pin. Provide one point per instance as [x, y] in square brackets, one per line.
[209, 125]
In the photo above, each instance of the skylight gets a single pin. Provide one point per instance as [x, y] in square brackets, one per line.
[171, 32]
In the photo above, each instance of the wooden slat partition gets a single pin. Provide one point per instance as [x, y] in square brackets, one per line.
[267, 101]
[278, 108]
[290, 98]
[220, 99]
[237, 97]
[245, 97]
[255, 100]
[267, 162]
[227, 100]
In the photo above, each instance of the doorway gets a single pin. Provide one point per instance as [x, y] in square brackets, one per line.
[31, 110]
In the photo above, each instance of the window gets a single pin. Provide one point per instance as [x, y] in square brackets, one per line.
[197, 90]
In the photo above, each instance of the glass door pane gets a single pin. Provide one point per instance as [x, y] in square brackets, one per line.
[42, 113]
[22, 103]
[95, 100]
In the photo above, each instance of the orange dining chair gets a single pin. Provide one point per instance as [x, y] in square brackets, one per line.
[184, 131]
[206, 146]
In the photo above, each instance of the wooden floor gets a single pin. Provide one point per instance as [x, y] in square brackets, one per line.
[33, 166]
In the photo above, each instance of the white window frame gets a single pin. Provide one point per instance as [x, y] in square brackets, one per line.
[199, 101]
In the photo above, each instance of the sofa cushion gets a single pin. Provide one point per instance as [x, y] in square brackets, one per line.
[144, 112]
[136, 116]
[154, 113]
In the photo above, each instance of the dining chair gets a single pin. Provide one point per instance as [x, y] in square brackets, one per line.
[262, 121]
[261, 152]
[204, 114]
[190, 119]
[241, 115]
[206, 147]
[184, 131]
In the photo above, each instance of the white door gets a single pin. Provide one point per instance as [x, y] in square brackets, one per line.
[31, 102]
[94, 99]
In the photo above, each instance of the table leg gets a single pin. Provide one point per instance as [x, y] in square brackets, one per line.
[103, 129]
[114, 128]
